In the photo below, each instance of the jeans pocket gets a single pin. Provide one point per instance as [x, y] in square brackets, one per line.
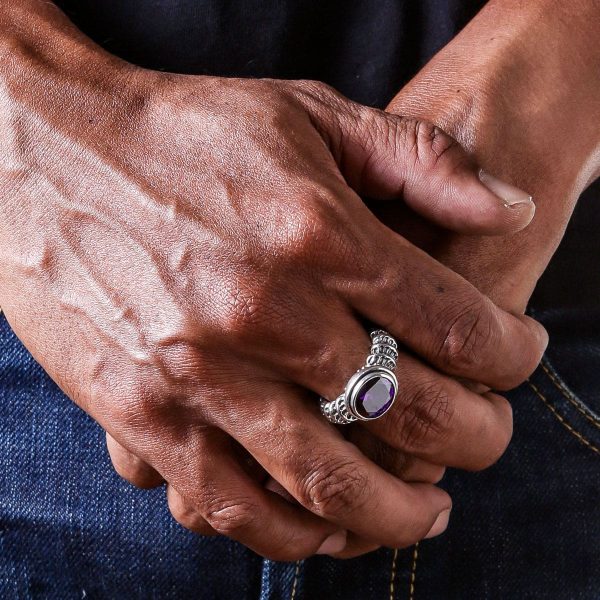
[577, 417]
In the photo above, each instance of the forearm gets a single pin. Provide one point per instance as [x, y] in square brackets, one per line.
[37, 29]
[524, 60]
[520, 88]
[55, 85]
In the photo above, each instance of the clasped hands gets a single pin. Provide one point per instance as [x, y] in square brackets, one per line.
[192, 262]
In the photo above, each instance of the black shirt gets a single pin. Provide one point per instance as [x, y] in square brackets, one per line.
[367, 49]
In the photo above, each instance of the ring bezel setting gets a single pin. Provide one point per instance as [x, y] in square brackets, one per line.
[370, 392]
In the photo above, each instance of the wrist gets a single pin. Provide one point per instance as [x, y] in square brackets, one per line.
[520, 81]
[519, 89]
[56, 85]
[40, 46]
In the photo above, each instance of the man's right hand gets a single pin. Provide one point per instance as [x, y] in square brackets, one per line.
[189, 258]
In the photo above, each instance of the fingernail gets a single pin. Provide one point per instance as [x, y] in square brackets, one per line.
[509, 194]
[440, 525]
[543, 335]
[336, 542]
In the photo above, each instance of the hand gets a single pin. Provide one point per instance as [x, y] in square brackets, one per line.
[188, 258]
[525, 105]
[519, 89]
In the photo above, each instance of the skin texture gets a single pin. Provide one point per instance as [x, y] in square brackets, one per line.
[519, 88]
[190, 260]
[521, 91]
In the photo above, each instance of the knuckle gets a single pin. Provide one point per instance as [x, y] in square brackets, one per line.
[467, 338]
[313, 227]
[133, 408]
[136, 392]
[403, 132]
[425, 417]
[133, 470]
[376, 125]
[305, 234]
[257, 314]
[433, 142]
[244, 311]
[323, 363]
[318, 234]
[191, 520]
[428, 144]
[247, 308]
[230, 517]
[335, 489]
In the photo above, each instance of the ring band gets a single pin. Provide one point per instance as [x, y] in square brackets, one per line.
[371, 391]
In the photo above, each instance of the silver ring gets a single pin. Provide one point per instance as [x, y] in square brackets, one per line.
[371, 391]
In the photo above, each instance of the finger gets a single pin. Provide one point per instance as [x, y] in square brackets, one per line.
[219, 492]
[186, 515]
[442, 317]
[419, 470]
[337, 541]
[192, 518]
[434, 417]
[397, 463]
[356, 546]
[427, 307]
[130, 467]
[437, 179]
[329, 475]
[440, 421]
[387, 156]
[276, 487]
[401, 464]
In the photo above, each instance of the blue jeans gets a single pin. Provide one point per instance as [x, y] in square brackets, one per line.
[529, 527]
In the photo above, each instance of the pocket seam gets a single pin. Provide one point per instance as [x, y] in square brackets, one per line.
[296, 576]
[568, 394]
[413, 572]
[562, 420]
[392, 595]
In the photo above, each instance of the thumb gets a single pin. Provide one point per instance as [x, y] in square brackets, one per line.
[385, 156]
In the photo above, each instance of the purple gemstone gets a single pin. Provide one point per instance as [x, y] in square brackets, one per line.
[375, 397]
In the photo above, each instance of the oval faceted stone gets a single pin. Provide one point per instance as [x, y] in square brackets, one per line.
[375, 397]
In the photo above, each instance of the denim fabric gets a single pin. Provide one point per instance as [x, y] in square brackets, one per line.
[528, 528]
[70, 528]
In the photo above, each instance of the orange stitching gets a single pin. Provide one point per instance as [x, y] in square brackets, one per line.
[393, 576]
[295, 585]
[568, 395]
[413, 572]
[562, 420]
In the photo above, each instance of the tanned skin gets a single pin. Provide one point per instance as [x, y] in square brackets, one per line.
[190, 260]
